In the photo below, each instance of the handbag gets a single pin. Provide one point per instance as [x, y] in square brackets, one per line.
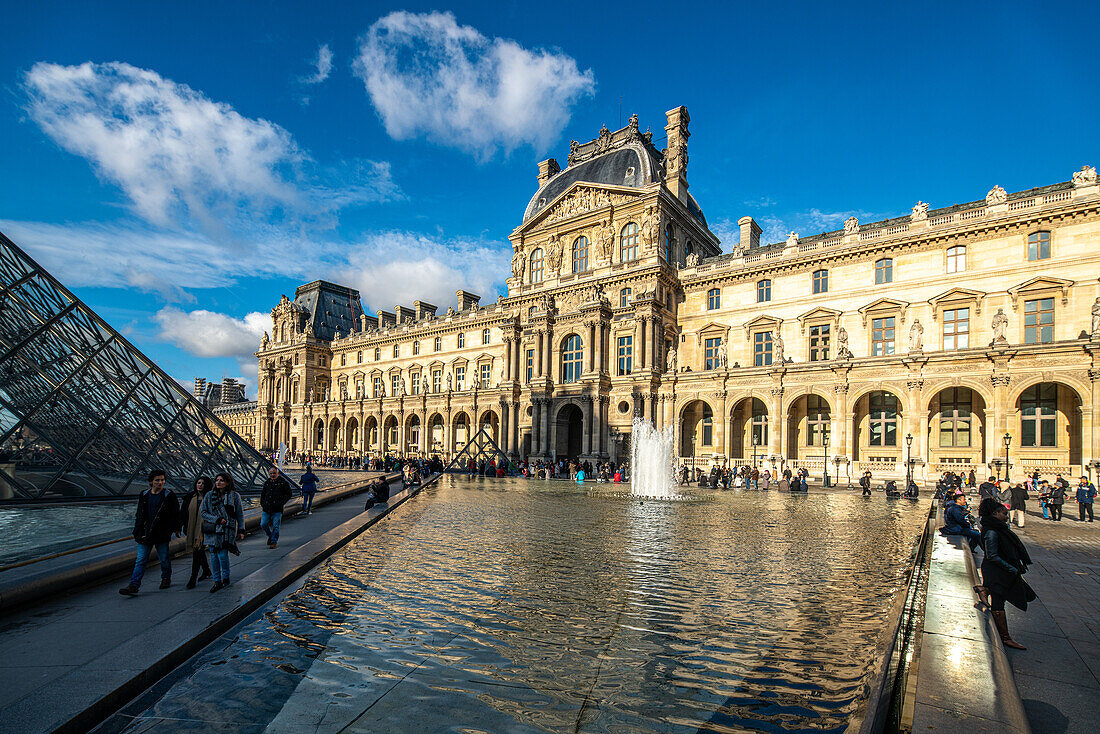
[209, 528]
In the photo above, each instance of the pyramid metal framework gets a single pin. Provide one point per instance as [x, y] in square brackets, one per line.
[481, 446]
[85, 413]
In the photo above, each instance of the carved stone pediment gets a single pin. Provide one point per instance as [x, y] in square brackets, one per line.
[884, 306]
[956, 296]
[818, 314]
[1040, 285]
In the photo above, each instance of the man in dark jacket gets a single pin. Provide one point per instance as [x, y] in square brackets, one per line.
[1018, 503]
[1086, 493]
[273, 497]
[988, 489]
[957, 521]
[865, 482]
[158, 517]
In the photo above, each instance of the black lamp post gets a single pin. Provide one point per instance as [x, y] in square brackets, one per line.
[825, 443]
[1008, 442]
[908, 460]
[755, 443]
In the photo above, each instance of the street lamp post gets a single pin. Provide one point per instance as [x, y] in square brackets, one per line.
[1008, 442]
[825, 442]
[908, 460]
[755, 443]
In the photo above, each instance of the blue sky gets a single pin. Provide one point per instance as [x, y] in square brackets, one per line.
[180, 165]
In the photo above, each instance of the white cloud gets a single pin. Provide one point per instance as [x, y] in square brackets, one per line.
[322, 66]
[210, 334]
[181, 158]
[428, 76]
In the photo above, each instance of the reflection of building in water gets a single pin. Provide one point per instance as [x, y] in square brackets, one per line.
[954, 325]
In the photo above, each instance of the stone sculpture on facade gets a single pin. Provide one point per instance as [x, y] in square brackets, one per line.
[1000, 327]
[264, 341]
[692, 260]
[842, 350]
[670, 361]
[450, 382]
[996, 195]
[1087, 175]
[604, 237]
[916, 337]
[920, 212]
[778, 348]
[851, 225]
[792, 239]
[723, 355]
[553, 254]
[1095, 332]
[519, 262]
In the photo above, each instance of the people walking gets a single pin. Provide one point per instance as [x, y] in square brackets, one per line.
[192, 529]
[1003, 566]
[309, 489]
[1018, 503]
[1086, 493]
[223, 526]
[1055, 501]
[275, 494]
[865, 482]
[157, 518]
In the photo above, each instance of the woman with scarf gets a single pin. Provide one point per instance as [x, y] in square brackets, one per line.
[192, 527]
[222, 526]
[1005, 562]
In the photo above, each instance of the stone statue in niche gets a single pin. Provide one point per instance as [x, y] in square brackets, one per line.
[519, 262]
[1095, 319]
[778, 347]
[996, 195]
[553, 254]
[842, 351]
[450, 382]
[916, 337]
[670, 360]
[920, 211]
[722, 355]
[1000, 327]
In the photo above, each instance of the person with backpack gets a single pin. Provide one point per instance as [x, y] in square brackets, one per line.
[274, 495]
[157, 519]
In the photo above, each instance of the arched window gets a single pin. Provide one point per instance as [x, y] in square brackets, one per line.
[821, 281]
[396, 351]
[714, 299]
[1039, 419]
[759, 423]
[628, 243]
[956, 259]
[1038, 246]
[461, 341]
[883, 419]
[668, 244]
[359, 357]
[377, 354]
[580, 254]
[763, 290]
[884, 271]
[484, 336]
[624, 297]
[572, 357]
[536, 265]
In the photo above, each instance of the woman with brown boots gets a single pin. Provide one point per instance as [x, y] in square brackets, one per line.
[1005, 562]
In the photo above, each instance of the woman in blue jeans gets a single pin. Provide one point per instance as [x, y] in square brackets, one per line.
[223, 526]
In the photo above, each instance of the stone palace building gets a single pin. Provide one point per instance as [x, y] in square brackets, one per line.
[950, 337]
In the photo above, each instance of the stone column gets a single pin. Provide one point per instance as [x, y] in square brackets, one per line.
[1090, 420]
[505, 437]
[655, 331]
[600, 366]
[720, 421]
[775, 422]
[642, 362]
[547, 407]
[586, 442]
[605, 429]
[516, 447]
[591, 346]
[508, 349]
[518, 369]
[540, 360]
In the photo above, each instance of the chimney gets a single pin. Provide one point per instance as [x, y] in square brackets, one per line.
[676, 158]
[424, 310]
[547, 169]
[385, 318]
[467, 300]
[750, 233]
[404, 314]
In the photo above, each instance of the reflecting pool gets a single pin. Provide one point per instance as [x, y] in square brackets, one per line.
[487, 605]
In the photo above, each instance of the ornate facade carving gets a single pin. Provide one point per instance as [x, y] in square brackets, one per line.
[920, 212]
[996, 195]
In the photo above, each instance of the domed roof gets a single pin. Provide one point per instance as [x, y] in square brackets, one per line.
[631, 165]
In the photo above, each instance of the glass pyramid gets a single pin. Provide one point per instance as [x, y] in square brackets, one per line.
[83, 412]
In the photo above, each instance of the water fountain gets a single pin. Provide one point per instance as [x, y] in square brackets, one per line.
[652, 474]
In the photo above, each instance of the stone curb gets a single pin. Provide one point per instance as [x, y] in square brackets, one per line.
[269, 580]
[28, 588]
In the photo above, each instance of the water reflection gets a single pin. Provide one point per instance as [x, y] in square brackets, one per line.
[544, 608]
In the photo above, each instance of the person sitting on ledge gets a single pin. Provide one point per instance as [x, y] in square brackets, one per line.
[958, 521]
[379, 493]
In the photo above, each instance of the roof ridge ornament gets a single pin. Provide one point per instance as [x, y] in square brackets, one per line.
[607, 141]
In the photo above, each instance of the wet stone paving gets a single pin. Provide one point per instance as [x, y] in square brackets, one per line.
[504, 605]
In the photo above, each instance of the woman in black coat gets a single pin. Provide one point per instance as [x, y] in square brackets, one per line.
[1003, 566]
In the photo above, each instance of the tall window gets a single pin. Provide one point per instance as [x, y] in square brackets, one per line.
[572, 356]
[359, 392]
[763, 290]
[580, 254]
[484, 336]
[628, 243]
[882, 336]
[416, 348]
[437, 344]
[624, 297]
[396, 351]
[415, 379]
[461, 341]
[395, 384]
[956, 259]
[377, 353]
[817, 419]
[536, 265]
[358, 357]
[883, 419]
[343, 360]
[460, 377]
[531, 312]
[437, 380]
[955, 409]
[759, 423]
[821, 281]
[1039, 419]
[1039, 321]
[819, 342]
[378, 386]
[762, 349]
[530, 355]
[956, 328]
[710, 352]
[884, 271]
[486, 374]
[626, 354]
[714, 299]
[1038, 246]
[668, 244]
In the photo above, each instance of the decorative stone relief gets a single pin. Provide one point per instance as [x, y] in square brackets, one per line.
[604, 238]
[792, 239]
[851, 225]
[692, 260]
[1087, 175]
[519, 263]
[583, 200]
[996, 195]
[553, 254]
[920, 212]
